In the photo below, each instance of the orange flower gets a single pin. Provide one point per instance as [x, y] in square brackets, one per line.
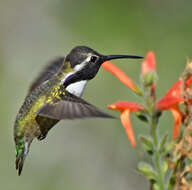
[125, 108]
[177, 115]
[188, 82]
[171, 98]
[121, 76]
[171, 102]
[149, 63]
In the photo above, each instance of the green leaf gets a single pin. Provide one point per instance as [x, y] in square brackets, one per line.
[147, 170]
[163, 143]
[167, 147]
[156, 186]
[164, 167]
[157, 115]
[147, 144]
[142, 116]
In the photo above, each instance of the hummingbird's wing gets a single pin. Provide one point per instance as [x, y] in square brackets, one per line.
[69, 106]
[49, 71]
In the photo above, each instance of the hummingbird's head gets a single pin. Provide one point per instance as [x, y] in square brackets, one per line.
[86, 62]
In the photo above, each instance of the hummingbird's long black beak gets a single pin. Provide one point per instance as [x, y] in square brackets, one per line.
[110, 57]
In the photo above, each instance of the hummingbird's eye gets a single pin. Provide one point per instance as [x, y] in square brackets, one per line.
[93, 59]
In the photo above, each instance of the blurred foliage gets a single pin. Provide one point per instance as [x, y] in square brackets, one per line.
[85, 154]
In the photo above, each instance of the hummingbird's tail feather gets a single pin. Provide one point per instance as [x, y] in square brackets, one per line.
[21, 155]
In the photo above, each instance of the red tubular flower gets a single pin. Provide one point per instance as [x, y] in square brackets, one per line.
[177, 115]
[148, 64]
[188, 82]
[125, 108]
[121, 76]
[171, 102]
[171, 98]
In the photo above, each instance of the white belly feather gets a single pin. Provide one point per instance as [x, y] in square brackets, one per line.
[77, 88]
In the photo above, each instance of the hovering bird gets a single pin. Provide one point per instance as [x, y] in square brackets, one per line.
[55, 95]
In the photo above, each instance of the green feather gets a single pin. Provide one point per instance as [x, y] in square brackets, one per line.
[22, 149]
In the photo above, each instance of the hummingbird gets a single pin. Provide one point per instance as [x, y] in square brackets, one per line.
[56, 95]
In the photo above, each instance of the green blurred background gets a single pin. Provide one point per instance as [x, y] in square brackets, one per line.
[86, 154]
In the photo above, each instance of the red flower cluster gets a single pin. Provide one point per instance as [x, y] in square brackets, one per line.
[170, 101]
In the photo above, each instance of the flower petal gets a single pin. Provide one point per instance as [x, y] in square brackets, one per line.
[177, 115]
[149, 63]
[125, 119]
[123, 105]
[120, 75]
[188, 82]
[171, 98]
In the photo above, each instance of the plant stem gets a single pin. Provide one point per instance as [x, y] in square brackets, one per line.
[154, 132]
[150, 103]
[157, 156]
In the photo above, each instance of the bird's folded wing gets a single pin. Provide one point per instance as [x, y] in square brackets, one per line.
[69, 106]
[49, 71]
